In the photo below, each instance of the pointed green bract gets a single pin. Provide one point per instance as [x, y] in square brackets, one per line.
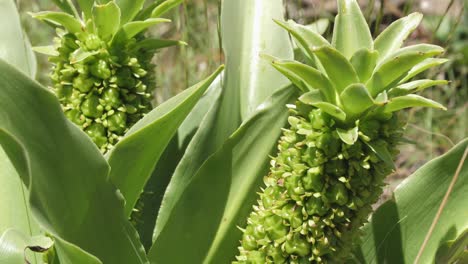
[364, 61]
[351, 32]
[393, 36]
[339, 145]
[102, 70]
[339, 70]
[106, 18]
[306, 78]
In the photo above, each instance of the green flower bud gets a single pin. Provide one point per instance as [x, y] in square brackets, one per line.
[315, 206]
[275, 228]
[100, 69]
[298, 245]
[75, 116]
[314, 180]
[91, 107]
[97, 133]
[338, 194]
[83, 83]
[117, 122]
[111, 97]
[92, 42]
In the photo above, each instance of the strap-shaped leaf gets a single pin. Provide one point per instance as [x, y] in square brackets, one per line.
[106, 19]
[16, 247]
[414, 86]
[137, 144]
[129, 30]
[392, 38]
[228, 199]
[364, 61]
[15, 47]
[66, 6]
[164, 7]
[129, 9]
[155, 44]
[355, 99]
[69, 184]
[410, 100]
[351, 31]
[86, 7]
[306, 38]
[65, 20]
[398, 228]
[391, 70]
[319, 26]
[306, 78]
[348, 136]
[314, 98]
[422, 66]
[339, 70]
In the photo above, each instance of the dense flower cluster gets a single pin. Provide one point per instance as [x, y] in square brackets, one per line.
[319, 191]
[103, 89]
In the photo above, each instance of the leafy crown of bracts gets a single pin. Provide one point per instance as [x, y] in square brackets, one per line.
[102, 71]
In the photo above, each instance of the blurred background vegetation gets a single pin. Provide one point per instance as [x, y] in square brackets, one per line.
[429, 133]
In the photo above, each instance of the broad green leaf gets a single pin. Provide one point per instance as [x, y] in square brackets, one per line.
[65, 5]
[13, 197]
[306, 78]
[71, 254]
[364, 62]
[392, 38]
[422, 66]
[225, 116]
[414, 86]
[190, 125]
[410, 100]
[86, 7]
[398, 227]
[319, 26]
[351, 31]
[305, 38]
[227, 182]
[68, 177]
[152, 44]
[355, 99]
[452, 250]
[16, 247]
[106, 18]
[339, 70]
[348, 136]
[395, 67]
[139, 144]
[129, 9]
[130, 29]
[14, 45]
[244, 40]
[314, 99]
[69, 22]
[164, 7]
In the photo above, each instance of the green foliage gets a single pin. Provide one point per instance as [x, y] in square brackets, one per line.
[397, 229]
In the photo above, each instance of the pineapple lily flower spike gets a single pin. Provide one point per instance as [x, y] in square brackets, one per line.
[341, 141]
[102, 71]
